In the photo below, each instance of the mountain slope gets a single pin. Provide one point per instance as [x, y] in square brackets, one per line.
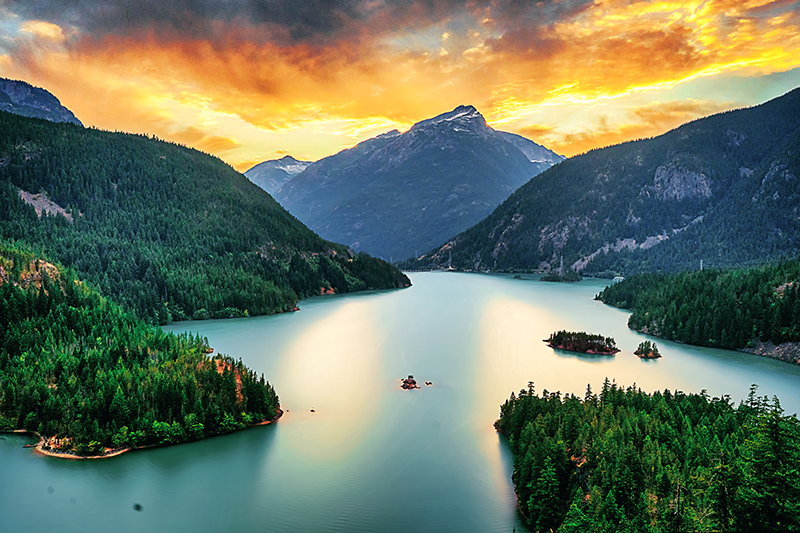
[402, 193]
[164, 229]
[24, 99]
[723, 189]
[273, 174]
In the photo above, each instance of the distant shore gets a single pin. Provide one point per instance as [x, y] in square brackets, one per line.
[111, 452]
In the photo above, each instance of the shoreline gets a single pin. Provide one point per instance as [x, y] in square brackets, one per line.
[589, 352]
[39, 449]
[787, 352]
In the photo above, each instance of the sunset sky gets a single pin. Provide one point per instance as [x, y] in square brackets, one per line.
[250, 80]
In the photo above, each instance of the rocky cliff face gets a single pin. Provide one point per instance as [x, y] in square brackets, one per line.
[676, 183]
[24, 99]
[399, 194]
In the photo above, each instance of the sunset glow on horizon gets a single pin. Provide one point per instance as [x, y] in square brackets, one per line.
[255, 80]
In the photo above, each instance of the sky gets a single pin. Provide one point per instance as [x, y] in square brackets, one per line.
[252, 80]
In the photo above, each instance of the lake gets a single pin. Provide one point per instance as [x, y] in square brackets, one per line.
[372, 457]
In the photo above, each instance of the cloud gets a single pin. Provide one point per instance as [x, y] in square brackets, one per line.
[534, 131]
[640, 122]
[206, 142]
[349, 68]
[43, 29]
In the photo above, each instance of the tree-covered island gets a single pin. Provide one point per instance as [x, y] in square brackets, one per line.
[582, 342]
[92, 379]
[627, 461]
[647, 350]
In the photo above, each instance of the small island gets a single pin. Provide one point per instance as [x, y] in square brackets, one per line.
[647, 350]
[582, 342]
[409, 383]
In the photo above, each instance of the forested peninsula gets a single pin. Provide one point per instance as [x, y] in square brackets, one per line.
[755, 309]
[166, 231]
[91, 377]
[627, 461]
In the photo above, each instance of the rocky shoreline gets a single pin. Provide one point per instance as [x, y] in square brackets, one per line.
[788, 352]
[41, 449]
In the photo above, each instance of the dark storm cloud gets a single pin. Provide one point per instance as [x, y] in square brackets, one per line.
[301, 19]
[296, 20]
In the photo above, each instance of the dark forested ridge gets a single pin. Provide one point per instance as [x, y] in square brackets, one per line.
[719, 308]
[162, 229]
[76, 366]
[626, 461]
[724, 189]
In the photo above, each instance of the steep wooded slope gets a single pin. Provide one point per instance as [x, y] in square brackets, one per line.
[163, 229]
[724, 189]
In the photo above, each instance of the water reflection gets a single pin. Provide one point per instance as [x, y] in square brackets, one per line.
[331, 367]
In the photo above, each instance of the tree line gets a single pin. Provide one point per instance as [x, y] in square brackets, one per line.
[625, 460]
[719, 308]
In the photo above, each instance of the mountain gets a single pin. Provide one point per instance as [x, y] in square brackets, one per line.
[402, 193]
[723, 190]
[273, 174]
[162, 229]
[24, 99]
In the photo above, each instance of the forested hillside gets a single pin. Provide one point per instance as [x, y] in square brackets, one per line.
[720, 308]
[627, 461]
[162, 229]
[75, 365]
[724, 189]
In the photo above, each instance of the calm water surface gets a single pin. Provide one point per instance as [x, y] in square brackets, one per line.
[371, 457]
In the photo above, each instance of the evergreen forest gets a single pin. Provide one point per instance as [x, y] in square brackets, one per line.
[88, 375]
[580, 341]
[164, 230]
[627, 461]
[718, 308]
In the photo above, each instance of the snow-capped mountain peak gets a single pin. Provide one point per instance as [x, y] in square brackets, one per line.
[462, 118]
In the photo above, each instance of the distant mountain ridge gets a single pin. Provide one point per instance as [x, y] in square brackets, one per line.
[723, 190]
[273, 174]
[22, 98]
[398, 194]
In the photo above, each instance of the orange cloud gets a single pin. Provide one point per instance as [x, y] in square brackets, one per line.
[213, 80]
[213, 144]
[642, 122]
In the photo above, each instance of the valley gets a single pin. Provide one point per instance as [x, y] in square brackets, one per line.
[117, 250]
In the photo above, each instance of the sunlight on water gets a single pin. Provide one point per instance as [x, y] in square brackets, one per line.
[331, 367]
